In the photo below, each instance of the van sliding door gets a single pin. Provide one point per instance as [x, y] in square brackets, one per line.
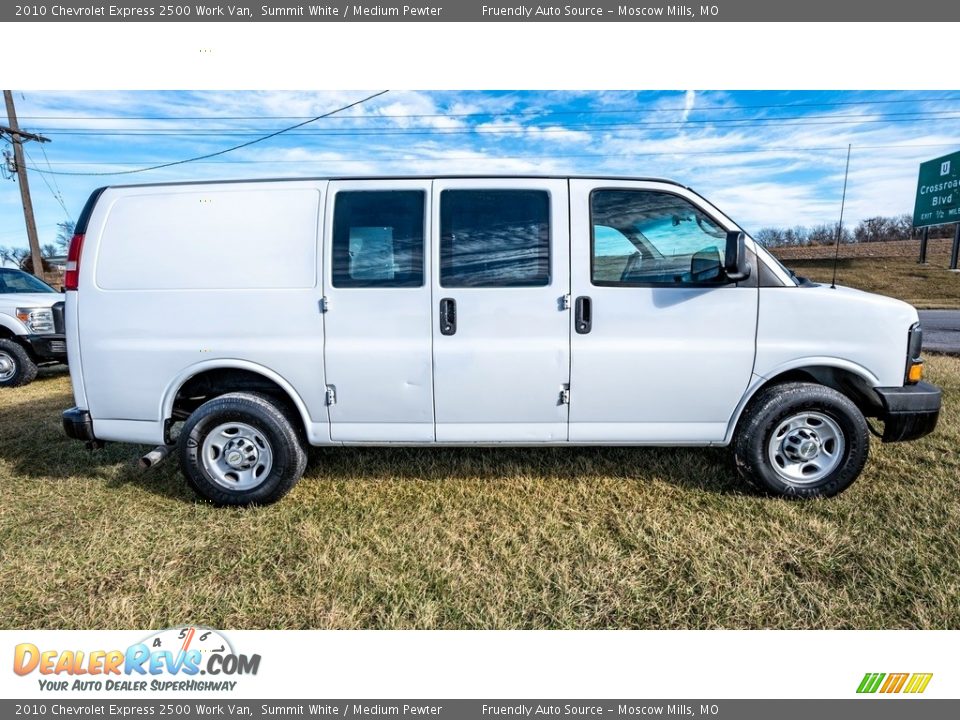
[501, 337]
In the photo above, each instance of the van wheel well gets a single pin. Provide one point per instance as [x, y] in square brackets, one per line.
[209, 384]
[843, 381]
[6, 333]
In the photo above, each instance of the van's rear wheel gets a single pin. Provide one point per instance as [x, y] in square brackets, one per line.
[801, 440]
[16, 366]
[241, 449]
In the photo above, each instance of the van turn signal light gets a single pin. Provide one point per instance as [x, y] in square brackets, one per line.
[915, 374]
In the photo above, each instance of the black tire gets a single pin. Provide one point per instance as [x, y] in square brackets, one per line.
[24, 368]
[272, 426]
[754, 442]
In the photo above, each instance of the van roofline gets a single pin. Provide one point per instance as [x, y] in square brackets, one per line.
[476, 176]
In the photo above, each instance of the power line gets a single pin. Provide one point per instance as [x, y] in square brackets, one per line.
[509, 113]
[486, 131]
[56, 195]
[59, 193]
[7, 233]
[913, 114]
[550, 156]
[225, 151]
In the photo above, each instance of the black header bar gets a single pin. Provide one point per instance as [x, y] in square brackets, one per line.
[486, 11]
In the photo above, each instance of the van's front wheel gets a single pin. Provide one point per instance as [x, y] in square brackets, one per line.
[241, 449]
[801, 440]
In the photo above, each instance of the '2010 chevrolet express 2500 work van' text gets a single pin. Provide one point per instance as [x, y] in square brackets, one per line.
[266, 315]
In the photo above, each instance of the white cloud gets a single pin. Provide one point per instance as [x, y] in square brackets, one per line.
[689, 98]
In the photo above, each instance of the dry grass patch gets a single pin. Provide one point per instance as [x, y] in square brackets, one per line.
[473, 538]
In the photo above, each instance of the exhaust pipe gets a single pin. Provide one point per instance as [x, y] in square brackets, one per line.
[155, 456]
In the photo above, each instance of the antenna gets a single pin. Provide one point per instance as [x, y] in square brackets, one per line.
[843, 202]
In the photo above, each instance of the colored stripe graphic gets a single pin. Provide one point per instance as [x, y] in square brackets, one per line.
[870, 682]
[894, 683]
[918, 682]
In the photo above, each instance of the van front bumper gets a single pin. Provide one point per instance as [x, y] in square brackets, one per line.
[78, 424]
[909, 412]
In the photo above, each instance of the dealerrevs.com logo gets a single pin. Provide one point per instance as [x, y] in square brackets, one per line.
[178, 659]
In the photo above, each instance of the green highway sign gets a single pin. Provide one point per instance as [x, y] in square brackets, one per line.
[938, 192]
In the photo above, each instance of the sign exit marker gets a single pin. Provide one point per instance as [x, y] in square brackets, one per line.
[938, 192]
[938, 200]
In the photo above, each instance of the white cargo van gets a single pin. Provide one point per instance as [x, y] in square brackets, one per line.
[243, 321]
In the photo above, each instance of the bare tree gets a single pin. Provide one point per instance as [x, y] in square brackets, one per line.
[871, 229]
[770, 237]
[903, 226]
[13, 255]
[65, 232]
[822, 235]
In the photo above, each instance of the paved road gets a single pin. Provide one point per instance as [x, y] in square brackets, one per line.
[941, 330]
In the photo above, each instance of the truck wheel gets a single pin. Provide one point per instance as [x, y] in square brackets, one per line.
[801, 440]
[241, 449]
[16, 366]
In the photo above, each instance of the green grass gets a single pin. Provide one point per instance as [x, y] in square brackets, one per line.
[475, 538]
[923, 286]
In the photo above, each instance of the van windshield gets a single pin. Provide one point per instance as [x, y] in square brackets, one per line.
[17, 281]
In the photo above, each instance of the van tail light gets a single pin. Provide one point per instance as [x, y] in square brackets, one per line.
[72, 274]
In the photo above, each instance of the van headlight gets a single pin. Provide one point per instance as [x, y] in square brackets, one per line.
[39, 321]
[914, 372]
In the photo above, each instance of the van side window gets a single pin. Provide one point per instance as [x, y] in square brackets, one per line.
[645, 237]
[494, 238]
[378, 239]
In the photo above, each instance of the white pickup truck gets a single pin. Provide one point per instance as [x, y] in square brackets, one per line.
[31, 327]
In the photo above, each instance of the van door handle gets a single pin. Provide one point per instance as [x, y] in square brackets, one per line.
[448, 316]
[583, 316]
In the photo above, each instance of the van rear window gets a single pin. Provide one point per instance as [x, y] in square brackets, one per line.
[494, 238]
[378, 239]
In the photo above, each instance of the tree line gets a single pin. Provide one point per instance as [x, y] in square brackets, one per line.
[875, 229]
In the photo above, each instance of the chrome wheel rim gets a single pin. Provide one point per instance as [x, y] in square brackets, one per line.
[8, 366]
[806, 447]
[237, 456]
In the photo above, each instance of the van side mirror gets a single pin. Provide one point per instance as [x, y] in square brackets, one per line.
[735, 265]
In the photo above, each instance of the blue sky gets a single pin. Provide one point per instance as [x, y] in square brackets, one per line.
[764, 157]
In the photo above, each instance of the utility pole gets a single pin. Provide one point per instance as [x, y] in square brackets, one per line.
[16, 138]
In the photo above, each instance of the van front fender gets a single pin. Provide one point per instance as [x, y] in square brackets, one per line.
[759, 381]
